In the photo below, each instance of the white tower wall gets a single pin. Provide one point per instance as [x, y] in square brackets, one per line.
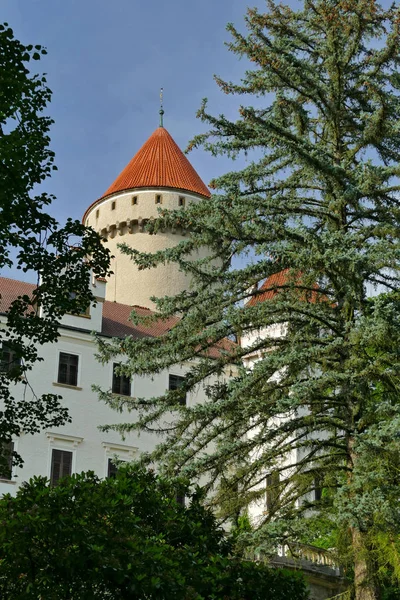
[121, 218]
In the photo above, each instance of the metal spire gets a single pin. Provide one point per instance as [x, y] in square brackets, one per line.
[161, 107]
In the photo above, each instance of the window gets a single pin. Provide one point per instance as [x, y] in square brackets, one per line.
[317, 488]
[158, 199]
[180, 499]
[121, 384]
[134, 200]
[10, 361]
[113, 204]
[97, 213]
[175, 382]
[68, 369]
[85, 313]
[272, 491]
[182, 201]
[61, 465]
[6, 463]
[112, 469]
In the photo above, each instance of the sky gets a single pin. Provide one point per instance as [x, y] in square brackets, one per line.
[105, 65]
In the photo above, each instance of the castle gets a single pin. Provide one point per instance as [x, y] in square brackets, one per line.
[158, 175]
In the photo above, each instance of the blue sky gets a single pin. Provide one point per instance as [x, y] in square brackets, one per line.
[106, 62]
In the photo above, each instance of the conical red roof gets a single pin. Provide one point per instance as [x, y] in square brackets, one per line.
[159, 163]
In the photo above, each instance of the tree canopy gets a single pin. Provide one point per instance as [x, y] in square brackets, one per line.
[124, 538]
[59, 258]
[315, 211]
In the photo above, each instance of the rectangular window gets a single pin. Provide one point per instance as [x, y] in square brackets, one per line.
[112, 469]
[85, 313]
[158, 199]
[113, 205]
[7, 462]
[121, 384]
[317, 488]
[68, 369]
[175, 382]
[134, 200]
[10, 362]
[182, 201]
[97, 213]
[180, 499]
[61, 465]
[272, 491]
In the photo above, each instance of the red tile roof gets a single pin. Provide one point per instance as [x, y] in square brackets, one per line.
[273, 284]
[115, 322]
[270, 287]
[159, 163]
[10, 289]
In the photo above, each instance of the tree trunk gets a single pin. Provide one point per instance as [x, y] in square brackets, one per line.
[365, 585]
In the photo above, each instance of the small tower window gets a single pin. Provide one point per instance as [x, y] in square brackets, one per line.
[182, 201]
[134, 200]
[158, 199]
[113, 205]
[97, 213]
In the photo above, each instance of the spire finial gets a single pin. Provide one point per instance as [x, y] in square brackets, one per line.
[161, 107]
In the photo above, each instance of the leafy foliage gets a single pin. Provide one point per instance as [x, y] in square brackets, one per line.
[60, 258]
[317, 203]
[123, 538]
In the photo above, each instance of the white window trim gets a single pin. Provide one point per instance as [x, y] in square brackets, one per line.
[66, 440]
[119, 451]
[61, 441]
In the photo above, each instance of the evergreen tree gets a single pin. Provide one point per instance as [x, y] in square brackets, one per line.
[316, 212]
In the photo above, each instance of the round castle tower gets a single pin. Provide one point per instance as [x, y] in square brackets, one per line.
[159, 175]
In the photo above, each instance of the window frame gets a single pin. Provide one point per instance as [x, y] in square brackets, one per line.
[60, 449]
[318, 487]
[272, 480]
[112, 468]
[120, 452]
[14, 363]
[121, 378]
[184, 401]
[86, 314]
[78, 356]
[12, 449]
